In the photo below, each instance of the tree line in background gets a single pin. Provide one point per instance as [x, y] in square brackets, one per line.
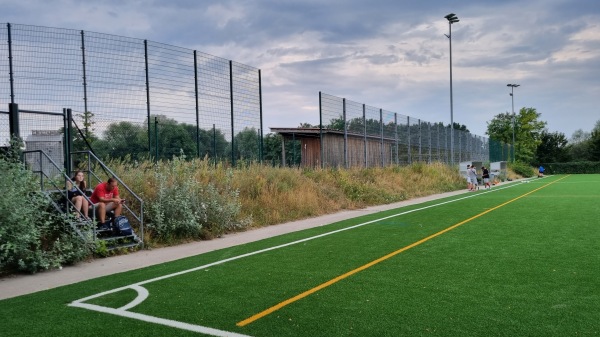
[168, 138]
[535, 145]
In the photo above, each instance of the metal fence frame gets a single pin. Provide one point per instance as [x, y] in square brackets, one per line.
[398, 139]
[127, 80]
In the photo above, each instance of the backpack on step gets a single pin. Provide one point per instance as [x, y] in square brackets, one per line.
[122, 226]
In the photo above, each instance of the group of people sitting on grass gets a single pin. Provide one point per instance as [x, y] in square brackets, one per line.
[105, 197]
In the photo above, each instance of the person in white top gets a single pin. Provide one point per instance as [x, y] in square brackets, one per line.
[472, 172]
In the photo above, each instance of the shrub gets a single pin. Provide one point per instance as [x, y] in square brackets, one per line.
[33, 237]
[185, 207]
[522, 169]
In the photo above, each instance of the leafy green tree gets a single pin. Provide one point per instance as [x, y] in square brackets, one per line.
[307, 126]
[272, 148]
[527, 129]
[458, 126]
[173, 138]
[553, 148]
[247, 144]
[86, 128]
[579, 146]
[595, 143]
[122, 139]
[212, 142]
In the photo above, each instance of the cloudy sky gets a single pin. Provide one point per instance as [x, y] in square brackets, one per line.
[387, 54]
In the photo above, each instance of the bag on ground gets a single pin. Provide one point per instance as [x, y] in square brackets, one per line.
[122, 226]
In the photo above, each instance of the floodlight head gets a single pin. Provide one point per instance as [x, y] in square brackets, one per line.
[452, 18]
[513, 85]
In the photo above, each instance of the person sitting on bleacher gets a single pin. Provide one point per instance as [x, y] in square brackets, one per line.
[79, 201]
[106, 198]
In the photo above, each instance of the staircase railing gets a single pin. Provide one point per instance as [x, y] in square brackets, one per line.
[88, 163]
[53, 180]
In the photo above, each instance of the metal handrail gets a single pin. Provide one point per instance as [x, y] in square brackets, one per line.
[64, 193]
[90, 156]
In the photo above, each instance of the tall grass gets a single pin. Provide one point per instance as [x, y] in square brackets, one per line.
[255, 195]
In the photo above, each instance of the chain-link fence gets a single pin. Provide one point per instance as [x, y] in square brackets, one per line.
[354, 134]
[131, 97]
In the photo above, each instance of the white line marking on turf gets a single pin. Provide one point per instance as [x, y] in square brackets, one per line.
[158, 320]
[143, 293]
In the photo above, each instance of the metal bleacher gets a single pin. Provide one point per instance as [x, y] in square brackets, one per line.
[53, 182]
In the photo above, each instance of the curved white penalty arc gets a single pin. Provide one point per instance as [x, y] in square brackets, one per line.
[142, 295]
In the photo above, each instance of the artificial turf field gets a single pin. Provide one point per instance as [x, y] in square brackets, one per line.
[520, 260]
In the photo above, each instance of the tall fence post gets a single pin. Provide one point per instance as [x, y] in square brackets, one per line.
[260, 150]
[365, 135]
[396, 137]
[10, 65]
[147, 96]
[215, 143]
[345, 135]
[429, 133]
[156, 139]
[13, 119]
[67, 114]
[321, 131]
[231, 106]
[197, 105]
[437, 132]
[381, 136]
[420, 141]
[409, 147]
[85, 99]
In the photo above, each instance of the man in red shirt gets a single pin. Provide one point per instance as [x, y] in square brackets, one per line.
[106, 198]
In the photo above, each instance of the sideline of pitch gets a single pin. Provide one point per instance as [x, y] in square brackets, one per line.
[17, 285]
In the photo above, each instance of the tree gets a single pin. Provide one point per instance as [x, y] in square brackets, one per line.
[579, 146]
[87, 130]
[247, 144]
[527, 129]
[553, 148]
[595, 143]
[458, 126]
[122, 139]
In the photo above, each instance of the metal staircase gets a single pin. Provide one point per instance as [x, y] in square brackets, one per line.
[53, 181]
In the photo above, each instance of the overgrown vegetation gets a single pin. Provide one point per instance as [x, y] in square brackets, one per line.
[32, 236]
[522, 169]
[187, 200]
[198, 199]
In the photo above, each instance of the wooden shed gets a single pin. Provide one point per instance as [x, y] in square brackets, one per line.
[359, 150]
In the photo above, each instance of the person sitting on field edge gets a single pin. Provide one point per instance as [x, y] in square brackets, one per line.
[541, 172]
[106, 198]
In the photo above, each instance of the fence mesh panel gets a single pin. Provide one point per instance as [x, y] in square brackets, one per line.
[355, 134]
[133, 97]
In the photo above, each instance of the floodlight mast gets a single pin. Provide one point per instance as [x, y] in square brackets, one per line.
[512, 97]
[452, 18]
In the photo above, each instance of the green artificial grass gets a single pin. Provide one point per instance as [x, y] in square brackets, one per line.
[529, 267]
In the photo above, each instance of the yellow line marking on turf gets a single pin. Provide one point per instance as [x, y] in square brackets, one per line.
[374, 262]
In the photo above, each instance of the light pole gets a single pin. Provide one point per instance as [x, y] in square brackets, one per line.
[452, 18]
[512, 97]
